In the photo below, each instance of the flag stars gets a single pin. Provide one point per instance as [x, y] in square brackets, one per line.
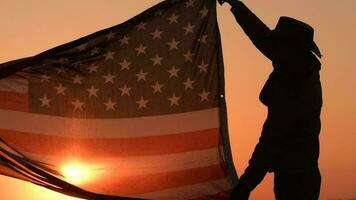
[203, 67]
[141, 75]
[93, 92]
[157, 88]
[125, 91]
[45, 78]
[157, 34]
[189, 28]
[188, 84]
[45, 101]
[173, 44]
[159, 12]
[124, 40]
[60, 70]
[141, 26]
[173, 19]
[204, 96]
[204, 12]
[63, 60]
[82, 47]
[78, 105]
[188, 57]
[110, 35]
[141, 49]
[173, 72]
[189, 3]
[94, 51]
[203, 39]
[109, 78]
[93, 68]
[110, 105]
[142, 103]
[125, 65]
[60, 90]
[157, 60]
[77, 79]
[109, 55]
[174, 100]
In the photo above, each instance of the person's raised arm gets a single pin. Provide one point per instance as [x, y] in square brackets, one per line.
[255, 29]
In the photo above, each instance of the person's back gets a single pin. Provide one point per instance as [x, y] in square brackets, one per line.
[289, 144]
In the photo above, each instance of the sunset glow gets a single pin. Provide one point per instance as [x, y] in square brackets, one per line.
[31, 27]
[76, 173]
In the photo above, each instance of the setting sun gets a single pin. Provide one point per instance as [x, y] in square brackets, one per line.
[109, 163]
[76, 172]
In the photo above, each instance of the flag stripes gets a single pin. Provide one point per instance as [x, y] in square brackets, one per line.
[122, 147]
[110, 128]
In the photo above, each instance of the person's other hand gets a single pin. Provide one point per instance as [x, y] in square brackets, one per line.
[223, 1]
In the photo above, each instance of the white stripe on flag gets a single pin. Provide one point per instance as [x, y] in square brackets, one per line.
[14, 85]
[109, 128]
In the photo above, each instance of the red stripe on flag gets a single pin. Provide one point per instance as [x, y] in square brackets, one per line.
[14, 101]
[160, 181]
[114, 147]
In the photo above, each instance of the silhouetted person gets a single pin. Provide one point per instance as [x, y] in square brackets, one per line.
[289, 143]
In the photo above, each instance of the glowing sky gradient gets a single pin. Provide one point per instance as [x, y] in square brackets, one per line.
[28, 27]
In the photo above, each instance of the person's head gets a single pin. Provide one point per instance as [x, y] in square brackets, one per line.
[292, 36]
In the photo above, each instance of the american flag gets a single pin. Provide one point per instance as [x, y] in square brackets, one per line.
[141, 104]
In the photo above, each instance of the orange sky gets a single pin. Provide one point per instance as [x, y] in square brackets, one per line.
[29, 27]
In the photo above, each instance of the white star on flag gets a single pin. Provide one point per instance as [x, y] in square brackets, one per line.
[204, 96]
[173, 44]
[109, 55]
[188, 57]
[173, 72]
[60, 89]
[189, 28]
[157, 88]
[142, 103]
[124, 40]
[45, 78]
[203, 67]
[78, 105]
[125, 65]
[93, 91]
[110, 35]
[188, 84]
[110, 105]
[94, 51]
[125, 90]
[109, 78]
[189, 3]
[204, 12]
[157, 34]
[93, 68]
[141, 26]
[174, 100]
[157, 60]
[45, 101]
[77, 79]
[82, 47]
[141, 75]
[141, 49]
[173, 19]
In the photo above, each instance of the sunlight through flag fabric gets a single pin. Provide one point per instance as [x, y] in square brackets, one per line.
[133, 111]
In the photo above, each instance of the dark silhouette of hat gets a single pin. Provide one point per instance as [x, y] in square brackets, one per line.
[291, 28]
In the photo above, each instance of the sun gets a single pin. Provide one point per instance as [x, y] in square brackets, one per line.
[76, 172]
